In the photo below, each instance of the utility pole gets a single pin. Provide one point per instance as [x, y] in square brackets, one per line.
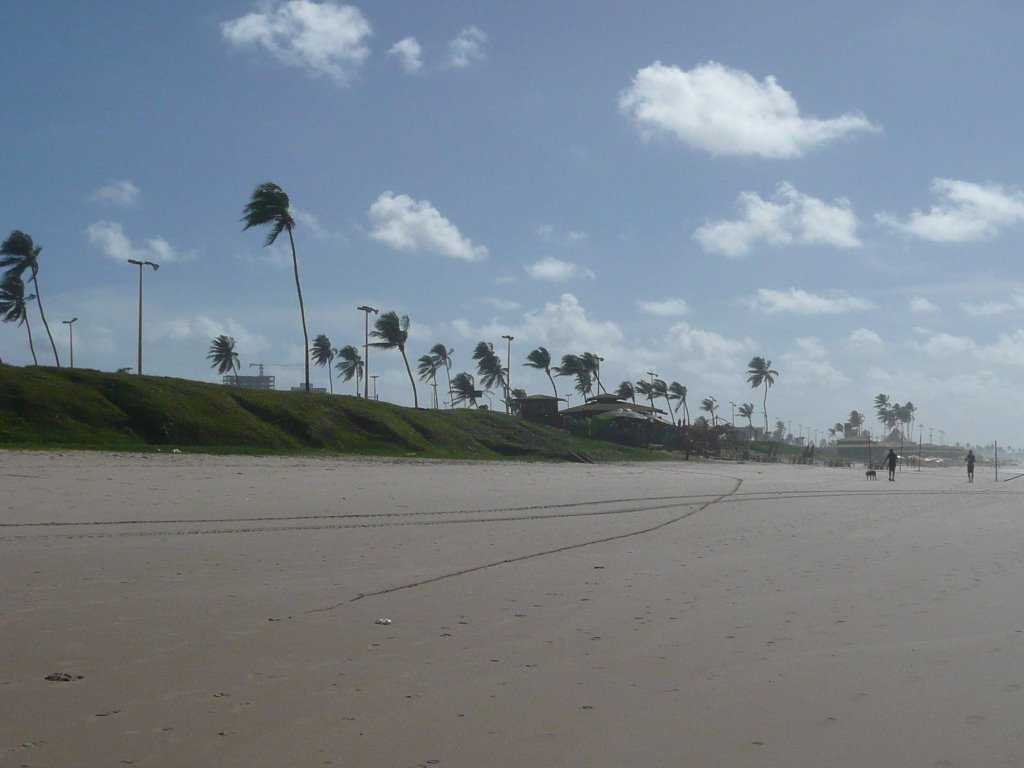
[71, 337]
[366, 353]
[508, 372]
[155, 267]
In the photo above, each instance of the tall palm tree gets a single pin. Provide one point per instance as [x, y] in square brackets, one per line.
[488, 366]
[661, 390]
[882, 408]
[625, 391]
[856, 420]
[323, 355]
[464, 388]
[575, 365]
[746, 411]
[759, 371]
[17, 254]
[646, 389]
[269, 204]
[427, 367]
[592, 365]
[710, 405]
[540, 359]
[443, 356]
[350, 365]
[223, 356]
[14, 306]
[393, 332]
[678, 392]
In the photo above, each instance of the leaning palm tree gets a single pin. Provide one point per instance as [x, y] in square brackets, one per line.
[626, 391]
[592, 365]
[323, 355]
[14, 306]
[759, 371]
[464, 389]
[646, 389]
[393, 332]
[710, 405]
[18, 254]
[677, 391]
[443, 357]
[350, 365]
[269, 204]
[856, 420]
[883, 408]
[488, 366]
[661, 390]
[427, 367]
[223, 356]
[540, 359]
[746, 411]
[575, 365]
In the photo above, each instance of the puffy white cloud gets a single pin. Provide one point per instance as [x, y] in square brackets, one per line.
[110, 238]
[121, 193]
[790, 217]
[990, 308]
[467, 47]
[801, 302]
[726, 111]
[323, 38]
[806, 364]
[968, 212]
[409, 54]
[557, 271]
[941, 344]
[549, 234]
[410, 225]
[699, 347]
[666, 308]
[566, 325]
[200, 329]
[864, 338]
[921, 305]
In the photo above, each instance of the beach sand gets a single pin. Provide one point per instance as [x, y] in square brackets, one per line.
[223, 611]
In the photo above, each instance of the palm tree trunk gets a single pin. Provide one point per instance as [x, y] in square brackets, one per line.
[39, 301]
[302, 307]
[552, 380]
[412, 381]
[330, 377]
[668, 404]
[765, 406]
[31, 346]
[234, 370]
[448, 372]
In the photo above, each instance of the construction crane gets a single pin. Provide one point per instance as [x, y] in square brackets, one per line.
[261, 366]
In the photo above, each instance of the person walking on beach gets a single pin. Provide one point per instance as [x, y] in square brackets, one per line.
[969, 458]
[891, 460]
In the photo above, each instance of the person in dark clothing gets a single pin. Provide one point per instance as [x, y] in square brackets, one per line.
[969, 458]
[890, 462]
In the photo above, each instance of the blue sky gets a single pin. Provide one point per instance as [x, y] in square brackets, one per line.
[674, 187]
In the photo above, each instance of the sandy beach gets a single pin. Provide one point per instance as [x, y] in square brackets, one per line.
[226, 611]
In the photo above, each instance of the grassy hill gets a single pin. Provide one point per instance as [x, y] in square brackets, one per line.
[61, 408]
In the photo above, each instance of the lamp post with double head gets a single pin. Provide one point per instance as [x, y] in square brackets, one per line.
[508, 371]
[71, 337]
[366, 353]
[140, 264]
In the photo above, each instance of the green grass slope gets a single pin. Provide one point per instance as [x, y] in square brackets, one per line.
[51, 408]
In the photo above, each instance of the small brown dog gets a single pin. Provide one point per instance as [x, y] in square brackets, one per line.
[870, 475]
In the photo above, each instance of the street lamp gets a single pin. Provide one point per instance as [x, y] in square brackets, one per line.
[599, 384]
[139, 264]
[366, 354]
[920, 437]
[508, 371]
[71, 337]
[733, 413]
[374, 377]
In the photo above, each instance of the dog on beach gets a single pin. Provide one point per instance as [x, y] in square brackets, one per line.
[870, 475]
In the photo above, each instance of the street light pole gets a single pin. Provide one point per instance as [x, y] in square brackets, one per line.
[139, 264]
[508, 372]
[733, 413]
[366, 353]
[374, 377]
[71, 338]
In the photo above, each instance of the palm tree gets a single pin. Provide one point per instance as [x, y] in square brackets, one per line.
[746, 411]
[488, 365]
[882, 408]
[323, 355]
[780, 429]
[591, 363]
[443, 356]
[540, 359]
[856, 421]
[678, 392]
[709, 404]
[646, 389]
[350, 365]
[269, 204]
[464, 389]
[427, 369]
[14, 306]
[393, 332]
[223, 356]
[574, 365]
[661, 390]
[19, 254]
[625, 391]
[759, 371]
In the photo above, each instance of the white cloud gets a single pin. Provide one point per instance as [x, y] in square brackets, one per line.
[726, 111]
[666, 308]
[864, 338]
[121, 193]
[801, 302]
[466, 48]
[968, 212]
[549, 234]
[567, 326]
[200, 330]
[790, 217]
[409, 225]
[409, 54]
[556, 270]
[941, 344]
[500, 304]
[921, 305]
[323, 38]
[807, 365]
[990, 308]
[110, 238]
[703, 347]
